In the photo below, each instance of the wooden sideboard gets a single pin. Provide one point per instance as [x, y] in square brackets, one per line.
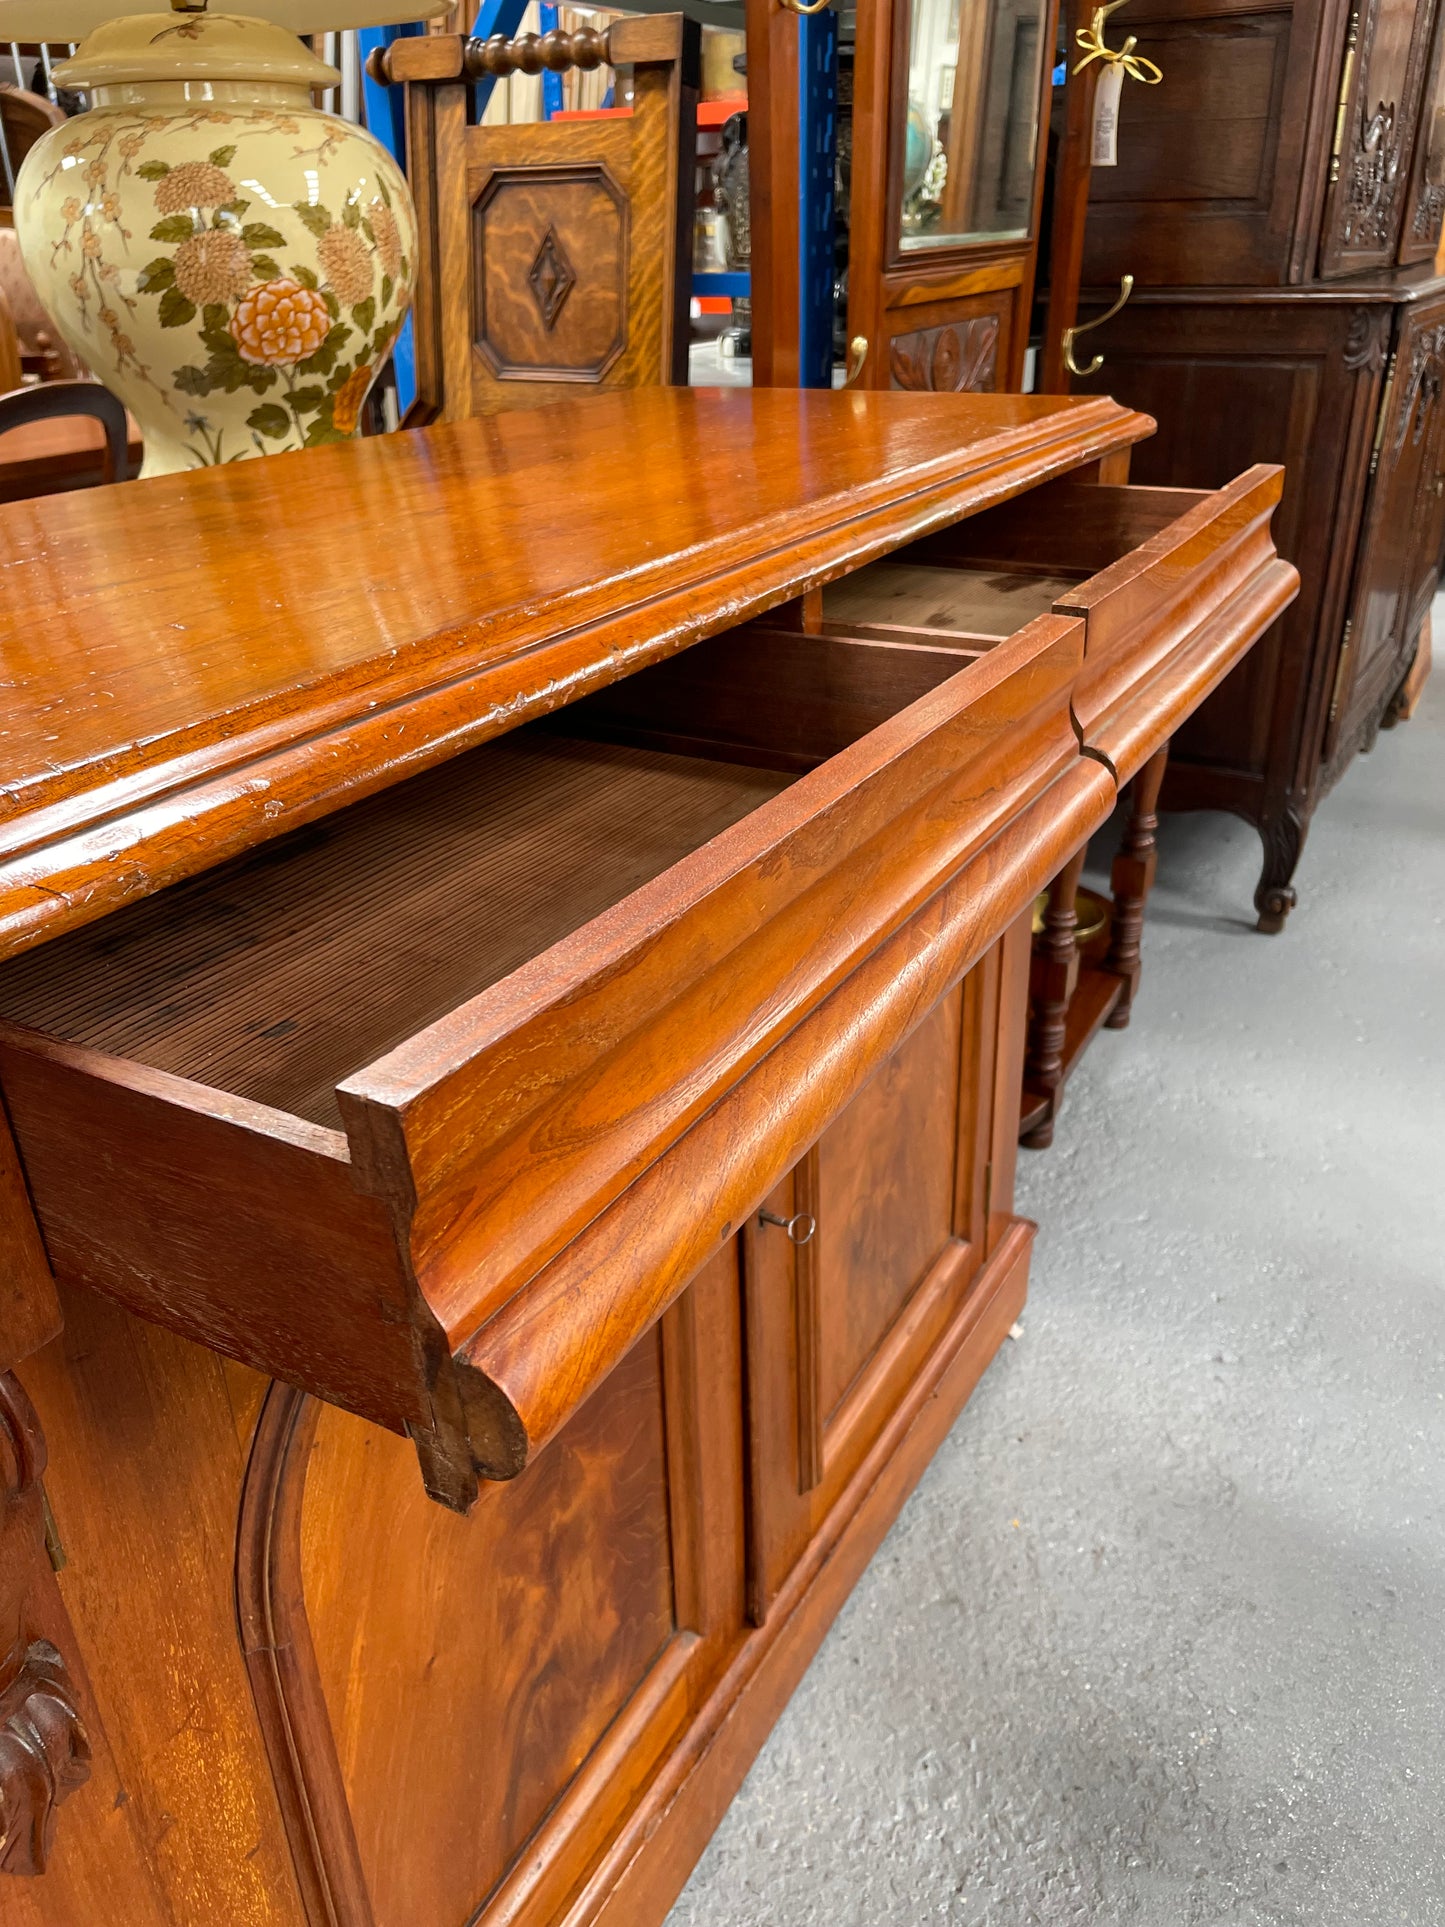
[1287, 310]
[513, 1020]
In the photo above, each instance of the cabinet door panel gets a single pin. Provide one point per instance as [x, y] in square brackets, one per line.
[1387, 50]
[840, 1326]
[885, 1190]
[1207, 189]
[528, 1668]
[1404, 526]
[1425, 197]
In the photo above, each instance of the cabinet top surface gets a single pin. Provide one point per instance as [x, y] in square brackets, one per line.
[195, 663]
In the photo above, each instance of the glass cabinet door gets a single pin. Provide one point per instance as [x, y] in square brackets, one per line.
[974, 84]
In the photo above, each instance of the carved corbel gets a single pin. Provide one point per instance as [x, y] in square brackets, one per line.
[44, 1747]
[44, 1754]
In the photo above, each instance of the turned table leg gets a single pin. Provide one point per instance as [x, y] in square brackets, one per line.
[1132, 880]
[1052, 980]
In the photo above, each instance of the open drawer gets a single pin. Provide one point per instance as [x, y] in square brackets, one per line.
[432, 1108]
[1173, 586]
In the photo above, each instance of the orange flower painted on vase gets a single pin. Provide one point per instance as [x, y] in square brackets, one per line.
[346, 410]
[280, 323]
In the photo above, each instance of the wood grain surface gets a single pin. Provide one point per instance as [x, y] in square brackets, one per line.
[173, 699]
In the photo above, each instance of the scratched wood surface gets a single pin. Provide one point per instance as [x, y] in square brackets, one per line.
[178, 691]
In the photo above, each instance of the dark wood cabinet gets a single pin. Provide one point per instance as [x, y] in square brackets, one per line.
[1278, 200]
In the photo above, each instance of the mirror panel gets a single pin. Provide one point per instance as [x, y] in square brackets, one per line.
[972, 107]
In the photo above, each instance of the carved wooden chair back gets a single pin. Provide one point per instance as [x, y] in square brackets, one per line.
[555, 257]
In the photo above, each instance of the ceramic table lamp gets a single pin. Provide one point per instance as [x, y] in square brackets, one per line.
[234, 263]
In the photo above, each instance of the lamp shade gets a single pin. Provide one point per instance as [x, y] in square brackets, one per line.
[54, 20]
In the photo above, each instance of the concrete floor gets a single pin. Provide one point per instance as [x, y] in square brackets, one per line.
[1160, 1638]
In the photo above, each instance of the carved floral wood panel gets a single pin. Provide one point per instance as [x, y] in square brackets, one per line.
[960, 357]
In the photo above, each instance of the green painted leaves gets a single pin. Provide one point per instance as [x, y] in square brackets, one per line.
[270, 419]
[175, 309]
[174, 228]
[315, 219]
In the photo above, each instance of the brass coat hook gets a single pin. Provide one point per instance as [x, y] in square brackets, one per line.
[1091, 39]
[1071, 335]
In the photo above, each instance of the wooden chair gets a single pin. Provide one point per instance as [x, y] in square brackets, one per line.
[42, 352]
[51, 401]
[24, 117]
[554, 257]
[1076, 988]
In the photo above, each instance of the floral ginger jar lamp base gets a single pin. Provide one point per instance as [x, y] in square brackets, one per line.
[234, 263]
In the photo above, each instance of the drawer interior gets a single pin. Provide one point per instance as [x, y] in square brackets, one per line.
[985, 578]
[279, 975]
[950, 604]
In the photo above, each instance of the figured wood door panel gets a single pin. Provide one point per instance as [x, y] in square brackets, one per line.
[839, 1325]
[1400, 546]
[884, 1187]
[527, 1668]
[1387, 53]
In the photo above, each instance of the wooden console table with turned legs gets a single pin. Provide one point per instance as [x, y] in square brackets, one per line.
[513, 993]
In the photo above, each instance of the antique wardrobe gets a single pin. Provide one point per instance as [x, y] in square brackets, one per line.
[1278, 200]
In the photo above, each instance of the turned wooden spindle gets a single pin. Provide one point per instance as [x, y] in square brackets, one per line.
[555, 53]
[532, 53]
[1053, 978]
[1132, 879]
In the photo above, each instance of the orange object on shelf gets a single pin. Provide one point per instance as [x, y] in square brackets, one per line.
[710, 113]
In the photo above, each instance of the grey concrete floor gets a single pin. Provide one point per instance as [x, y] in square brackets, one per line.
[1160, 1637]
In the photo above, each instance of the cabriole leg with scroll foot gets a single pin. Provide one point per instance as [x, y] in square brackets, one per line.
[1283, 837]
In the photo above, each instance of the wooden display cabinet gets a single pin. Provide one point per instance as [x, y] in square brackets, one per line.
[942, 118]
[515, 1067]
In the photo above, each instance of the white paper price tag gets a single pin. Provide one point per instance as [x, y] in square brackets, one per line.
[1106, 115]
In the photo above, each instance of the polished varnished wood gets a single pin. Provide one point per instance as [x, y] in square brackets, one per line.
[454, 584]
[550, 255]
[147, 1441]
[630, 904]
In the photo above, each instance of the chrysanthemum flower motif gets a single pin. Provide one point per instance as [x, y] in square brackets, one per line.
[281, 323]
[194, 184]
[214, 265]
[388, 237]
[346, 263]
